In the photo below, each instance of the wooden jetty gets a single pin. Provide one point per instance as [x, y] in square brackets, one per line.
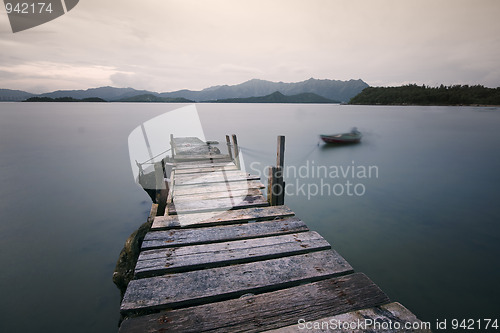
[223, 258]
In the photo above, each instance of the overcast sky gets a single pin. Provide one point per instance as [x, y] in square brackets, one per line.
[166, 45]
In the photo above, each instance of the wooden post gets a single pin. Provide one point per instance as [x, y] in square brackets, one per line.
[236, 152]
[163, 168]
[280, 155]
[276, 185]
[270, 186]
[172, 145]
[278, 175]
[161, 188]
[229, 151]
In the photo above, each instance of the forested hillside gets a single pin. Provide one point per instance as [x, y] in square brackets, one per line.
[424, 95]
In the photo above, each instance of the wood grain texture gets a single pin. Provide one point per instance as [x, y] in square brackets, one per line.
[216, 187]
[209, 175]
[213, 177]
[186, 258]
[218, 218]
[201, 164]
[218, 195]
[214, 284]
[393, 313]
[206, 158]
[222, 233]
[221, 204]
[201, 169]
[266, 311]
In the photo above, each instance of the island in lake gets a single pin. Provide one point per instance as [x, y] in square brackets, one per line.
[278, 97]
[64, 99]
[413, 94]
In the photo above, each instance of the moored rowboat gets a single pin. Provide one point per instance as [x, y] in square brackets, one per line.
[352, 137]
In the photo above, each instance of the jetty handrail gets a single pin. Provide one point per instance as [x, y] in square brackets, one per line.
[152, 158]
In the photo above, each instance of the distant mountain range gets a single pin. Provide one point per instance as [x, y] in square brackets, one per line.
[334, 90]
[278, 97]
[150, 98]
[341, 91]
[14, 95]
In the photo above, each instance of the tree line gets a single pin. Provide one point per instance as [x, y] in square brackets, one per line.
[413, 94]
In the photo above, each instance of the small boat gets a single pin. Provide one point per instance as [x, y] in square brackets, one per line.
[353, 136]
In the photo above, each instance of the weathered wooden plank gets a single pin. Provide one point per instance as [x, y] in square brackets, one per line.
[190, 145]
[191, 150]
[218, 195]
[188, 141]
[206, 169]
[218, 218]
[220, 283]
[213, 177]
[186, 207]
[222, 233]
[200, 164]
[186, 258]
[209, 176]
[216, 187]
[201, 157]
[266, 311]
[375, 319]
[180, 175]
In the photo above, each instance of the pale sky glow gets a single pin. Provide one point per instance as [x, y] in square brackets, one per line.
[185, 44]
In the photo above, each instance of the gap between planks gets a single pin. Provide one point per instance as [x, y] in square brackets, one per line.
[218, 218]
[216, 187]
[257, 313]
[220, 204]
[221, 233]
[188, 258]
[214, 284]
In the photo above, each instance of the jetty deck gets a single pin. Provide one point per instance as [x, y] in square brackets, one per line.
[222, 259]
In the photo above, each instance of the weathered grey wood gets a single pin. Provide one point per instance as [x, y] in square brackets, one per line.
[228, 143]
[280, 154]
[212, 174]
[226, 168]
[186, 258]
[218, 195]
[172, 148]
[221, 233]
[199, 263]
[170, 192]
[190, 146]
[210, 177]
[214, 284]
[217, 218]
[188, 141]
[393, 313]
[214, 177]
[181, 151]
[266, 311]
[200, 164]
[216, 187]
[236, 151]
[270, 181]
[279, 186]
[276, 188]
[187, 207]
[201, 157]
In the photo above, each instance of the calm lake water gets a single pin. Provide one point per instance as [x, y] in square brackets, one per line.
[424, 226]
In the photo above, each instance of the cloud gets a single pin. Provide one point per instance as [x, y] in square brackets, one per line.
[171, 45]
[69, 76]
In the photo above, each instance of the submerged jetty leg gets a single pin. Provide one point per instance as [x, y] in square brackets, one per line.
[222, 259]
